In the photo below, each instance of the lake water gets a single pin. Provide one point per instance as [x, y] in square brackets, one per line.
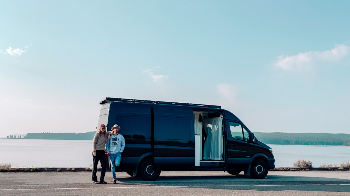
[77, 153]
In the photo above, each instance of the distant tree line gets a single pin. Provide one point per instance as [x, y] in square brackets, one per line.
[58, 136]
[304, 138]
[268, 138]
[15, 137]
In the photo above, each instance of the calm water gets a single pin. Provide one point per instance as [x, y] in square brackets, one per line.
[77, 153]
[46, 153]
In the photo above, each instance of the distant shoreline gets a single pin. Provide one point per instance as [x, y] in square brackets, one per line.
[278, 138]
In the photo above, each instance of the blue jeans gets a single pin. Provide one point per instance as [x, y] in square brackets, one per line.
[115, 162]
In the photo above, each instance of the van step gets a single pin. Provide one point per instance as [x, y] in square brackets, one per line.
[212, 164]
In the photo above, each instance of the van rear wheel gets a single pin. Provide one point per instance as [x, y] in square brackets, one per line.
[148, 171]
[234, 172]
[259, 169]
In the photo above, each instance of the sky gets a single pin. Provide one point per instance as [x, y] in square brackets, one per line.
[280, 66]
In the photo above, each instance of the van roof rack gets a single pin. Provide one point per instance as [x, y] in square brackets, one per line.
[110, 99]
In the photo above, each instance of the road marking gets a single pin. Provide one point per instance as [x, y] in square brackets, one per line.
[71, 188]
[331, 184]
[344, 184]
[7, 189]
[175, 186]
[269, 185]
[235, 185]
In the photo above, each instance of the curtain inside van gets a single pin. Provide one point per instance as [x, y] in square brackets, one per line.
[213, 145]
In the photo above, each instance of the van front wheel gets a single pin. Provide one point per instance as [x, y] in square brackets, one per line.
[259, 169]
[147, 171]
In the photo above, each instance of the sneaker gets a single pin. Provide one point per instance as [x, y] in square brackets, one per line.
[102, 182]
[96, 182]
[114, 181]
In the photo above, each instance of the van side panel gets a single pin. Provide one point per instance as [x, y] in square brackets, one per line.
[135, 122]
[174, 147]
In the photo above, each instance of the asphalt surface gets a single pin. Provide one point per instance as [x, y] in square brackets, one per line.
[177, 183]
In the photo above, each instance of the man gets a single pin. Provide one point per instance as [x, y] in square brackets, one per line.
[98, 154]
[115, 146]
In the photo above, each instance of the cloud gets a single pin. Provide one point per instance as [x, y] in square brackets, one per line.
[15, 52]
[227, 94]
[304, 60]
[156, 78]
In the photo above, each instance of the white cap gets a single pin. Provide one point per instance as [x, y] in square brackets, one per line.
[115, 125]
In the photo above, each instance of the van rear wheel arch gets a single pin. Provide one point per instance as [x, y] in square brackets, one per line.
[147, 170]
[145, 156]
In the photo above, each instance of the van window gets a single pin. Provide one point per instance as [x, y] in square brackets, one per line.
[236, 131]
[136, 129]
[246, 135]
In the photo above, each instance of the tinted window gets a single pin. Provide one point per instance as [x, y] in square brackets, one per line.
[135, 128]
[173, 125]
[236, 131]
[134, 120]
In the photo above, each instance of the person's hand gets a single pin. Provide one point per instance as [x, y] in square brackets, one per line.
[94, 153]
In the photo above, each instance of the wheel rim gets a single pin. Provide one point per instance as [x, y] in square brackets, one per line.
[259, 169]
[149, 170]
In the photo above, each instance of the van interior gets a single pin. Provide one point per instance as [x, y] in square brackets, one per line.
[209, 145]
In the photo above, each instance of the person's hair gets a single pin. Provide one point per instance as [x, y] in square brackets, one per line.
[100, 130]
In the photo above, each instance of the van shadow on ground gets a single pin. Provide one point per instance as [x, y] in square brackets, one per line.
[241, 182]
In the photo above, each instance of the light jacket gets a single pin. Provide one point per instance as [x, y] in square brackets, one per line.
[115, 144]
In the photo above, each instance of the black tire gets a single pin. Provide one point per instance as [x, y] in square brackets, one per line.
[130, 174]
[259, 169]
[234, 172]
[147, 171]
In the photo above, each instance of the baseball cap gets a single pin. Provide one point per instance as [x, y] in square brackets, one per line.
[103, 126]
[115, 125]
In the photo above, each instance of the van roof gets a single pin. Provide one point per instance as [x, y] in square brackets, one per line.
[111, 99]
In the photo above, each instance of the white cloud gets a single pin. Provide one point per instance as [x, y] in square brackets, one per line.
[304, 60]
[156, 78]
[227, 94]
[14, 52]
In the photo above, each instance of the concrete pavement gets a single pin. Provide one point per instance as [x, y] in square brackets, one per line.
[177, 183]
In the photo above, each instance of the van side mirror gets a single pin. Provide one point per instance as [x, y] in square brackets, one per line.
[253, 138]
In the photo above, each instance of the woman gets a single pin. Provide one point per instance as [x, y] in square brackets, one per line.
[115, 146]
[98, 154]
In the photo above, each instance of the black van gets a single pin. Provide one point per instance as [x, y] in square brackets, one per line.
[172, 136]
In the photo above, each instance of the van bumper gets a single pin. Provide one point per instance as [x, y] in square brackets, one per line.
[271, 163]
